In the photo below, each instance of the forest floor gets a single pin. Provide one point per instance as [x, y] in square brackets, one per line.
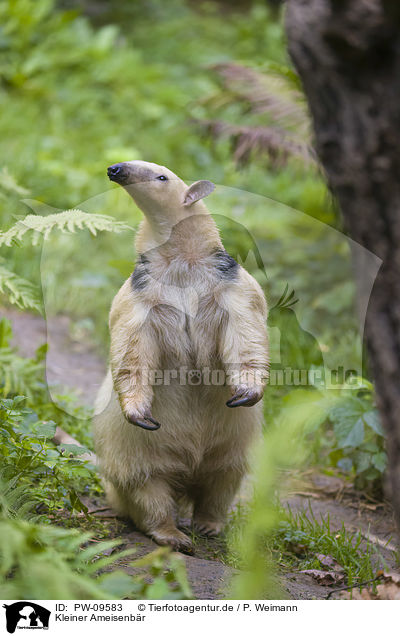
[75, 365]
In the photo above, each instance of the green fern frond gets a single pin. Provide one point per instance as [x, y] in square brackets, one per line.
[67, 222]
[15, 501]
[271, 99]
[23, 376]
[19, 291]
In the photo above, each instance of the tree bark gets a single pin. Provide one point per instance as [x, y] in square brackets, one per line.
[347, 53]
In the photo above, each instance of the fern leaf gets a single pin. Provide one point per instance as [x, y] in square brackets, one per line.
[15, 501]
[68, 222]
[19, 291]
[277, 121]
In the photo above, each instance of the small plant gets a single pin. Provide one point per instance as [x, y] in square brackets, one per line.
[300, 542]
[54, 476]
[346, 435]
[359, 440]
[303, 540]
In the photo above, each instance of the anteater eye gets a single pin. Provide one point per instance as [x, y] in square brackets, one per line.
[162, 177]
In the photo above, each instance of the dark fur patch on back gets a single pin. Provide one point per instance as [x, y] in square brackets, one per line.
[226, 265]
[140, 275]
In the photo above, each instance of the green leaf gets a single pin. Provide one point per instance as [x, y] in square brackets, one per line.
[371, 418]
[372, 446]
[76, 503]
[363, 461]
[344, 416]
[46, 429]
[379, 460]
[356, 435]
[72, 450]
[158, 589]
[40, 353]
[118, 585]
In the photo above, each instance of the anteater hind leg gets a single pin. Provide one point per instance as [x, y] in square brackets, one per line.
[212, 499]
[151, 509]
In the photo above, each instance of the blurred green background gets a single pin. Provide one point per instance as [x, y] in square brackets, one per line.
[130, 80]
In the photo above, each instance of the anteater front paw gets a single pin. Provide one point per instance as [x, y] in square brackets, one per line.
[245, 396]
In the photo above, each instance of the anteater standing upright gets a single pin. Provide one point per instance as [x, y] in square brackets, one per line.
[188, 344]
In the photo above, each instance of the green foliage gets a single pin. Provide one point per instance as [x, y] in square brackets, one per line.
[19, 291]
[39, 562]
[53, 475]
[299, 539]
[43, 482]
[169, 578]
[345, 432]
[19, 375]
[358, 445]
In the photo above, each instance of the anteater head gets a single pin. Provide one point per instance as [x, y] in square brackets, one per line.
[161, 195]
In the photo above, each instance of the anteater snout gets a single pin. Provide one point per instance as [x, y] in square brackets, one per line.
[117, 172]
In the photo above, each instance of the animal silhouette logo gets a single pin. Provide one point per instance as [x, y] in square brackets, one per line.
[26, 615]
[299, 349]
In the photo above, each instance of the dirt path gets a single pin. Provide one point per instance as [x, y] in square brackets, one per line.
[70, 362]
[74, 365]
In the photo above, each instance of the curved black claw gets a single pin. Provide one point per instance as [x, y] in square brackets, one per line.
[248, 398]
[142, 423]
[237, 402]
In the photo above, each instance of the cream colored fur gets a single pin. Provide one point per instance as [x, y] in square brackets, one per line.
[186, 315]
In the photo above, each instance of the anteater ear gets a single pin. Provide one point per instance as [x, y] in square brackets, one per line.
[198, 190]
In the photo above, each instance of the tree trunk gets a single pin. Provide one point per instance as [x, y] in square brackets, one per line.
[347, 53]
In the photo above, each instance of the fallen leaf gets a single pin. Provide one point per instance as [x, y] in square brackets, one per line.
[324, 577]
[392, 577]
[329, 562]
[388, 592]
